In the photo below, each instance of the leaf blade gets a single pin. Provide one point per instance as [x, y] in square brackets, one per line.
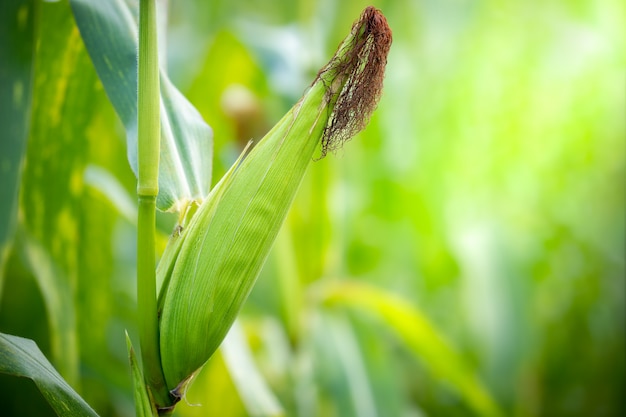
[18, 25]
[253, 390]
[420, 337]
[21, 357]
[63, 105]
[109, 31]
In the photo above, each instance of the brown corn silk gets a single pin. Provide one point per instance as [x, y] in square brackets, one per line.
[358, 69]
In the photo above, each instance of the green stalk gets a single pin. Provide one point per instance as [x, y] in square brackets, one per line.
[149, 134]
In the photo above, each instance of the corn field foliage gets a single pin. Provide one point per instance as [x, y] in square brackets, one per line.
[464, 255]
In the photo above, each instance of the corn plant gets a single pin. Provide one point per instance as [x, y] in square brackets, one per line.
[223, 237]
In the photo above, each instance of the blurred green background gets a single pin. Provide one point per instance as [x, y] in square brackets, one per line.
[487, 193]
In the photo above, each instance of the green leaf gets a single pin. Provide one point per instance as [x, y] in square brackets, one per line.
[67, 231]
[344, 368]
[143, 405]
[109, 31]
[55, 289]
[256, 395]
[17, 29]
[419, 336]
[109, 186]
[64, 104]
[21, 357]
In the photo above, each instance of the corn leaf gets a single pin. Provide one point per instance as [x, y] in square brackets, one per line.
[64, 103]
[109, 186]
[256, 395]
[419, 336]
[21, 357]
[17, 24]
[66, 231]
[109, 31]
[343, 367]
[58, 298]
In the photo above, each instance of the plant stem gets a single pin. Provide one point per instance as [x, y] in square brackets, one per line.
[147, 190]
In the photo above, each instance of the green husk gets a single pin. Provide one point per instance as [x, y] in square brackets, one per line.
[225, 247]
[211, 269]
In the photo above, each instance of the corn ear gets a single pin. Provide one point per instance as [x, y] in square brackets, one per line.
[212, 266]
[174, 245]
[225, 245]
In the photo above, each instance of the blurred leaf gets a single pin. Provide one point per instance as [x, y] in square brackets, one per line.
[67, 233]
[104, 304]
[109, 30]
[17, 34]
[341, 368]
[104, 181]
[57, 294]
[63, 107]
[286, 282]
[212, 393]
[419, 336]
[217, 94]
[22, 358]
[387, 378]
[256, 395]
